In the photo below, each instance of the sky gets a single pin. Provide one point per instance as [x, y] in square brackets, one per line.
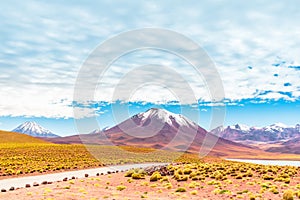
[254, 47]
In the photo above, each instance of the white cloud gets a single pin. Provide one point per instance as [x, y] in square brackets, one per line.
[44, 45]
[275, 96]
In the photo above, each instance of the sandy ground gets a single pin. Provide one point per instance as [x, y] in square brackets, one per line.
[106, 187]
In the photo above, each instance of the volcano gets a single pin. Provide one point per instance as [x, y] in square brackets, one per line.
[160, 129]
[35, 130]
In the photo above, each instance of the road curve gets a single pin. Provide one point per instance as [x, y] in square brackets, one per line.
[22, 181]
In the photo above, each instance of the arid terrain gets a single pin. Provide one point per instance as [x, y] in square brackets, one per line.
[209, 179]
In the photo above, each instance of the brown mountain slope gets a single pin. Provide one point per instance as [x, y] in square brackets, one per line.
[290, 146]
[161, 129]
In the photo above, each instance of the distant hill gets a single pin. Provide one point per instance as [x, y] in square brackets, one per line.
[290, 146]
[34, 129]
[11, 137]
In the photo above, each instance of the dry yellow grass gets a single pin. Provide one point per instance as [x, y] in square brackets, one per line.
[11, 137]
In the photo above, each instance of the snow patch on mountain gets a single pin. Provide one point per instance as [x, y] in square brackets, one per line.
[278, 127]
[241, 127]
[166, 117]
[99, 130]
[271, 133]
[34, 129]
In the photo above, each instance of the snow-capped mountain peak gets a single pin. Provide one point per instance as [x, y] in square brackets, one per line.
[279, 124]
[276, 127]
[271, 133]
[166, 117]
[158, 126]
[241, 127]
[33, 129]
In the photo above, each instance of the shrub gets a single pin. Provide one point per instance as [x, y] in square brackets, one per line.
[216, 191]
[279, 179]
[288, 195]
[213, 182]
[159, 191]
[168, 185]
[182, 178]
[265, 185]
[228, 181]
[224, 192]
[239, 176]
[155, 176]
[274, 190]
[129, 173]
[242, 192]
[187, 171]
[287, 180]
[145, 183]
[137, 176]
[153, 185]
[250, 183]
[267, 177]
[249, 173]
[121, 187]
[164, 179]
[194, 192]
[180, 189]
[142, 171]
[217, 175]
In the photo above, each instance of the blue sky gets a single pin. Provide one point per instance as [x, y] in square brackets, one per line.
[255, 47]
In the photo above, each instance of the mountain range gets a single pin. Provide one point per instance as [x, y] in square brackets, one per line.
[34, 129]
[160, 129]
[274, 138]
[273, 133]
